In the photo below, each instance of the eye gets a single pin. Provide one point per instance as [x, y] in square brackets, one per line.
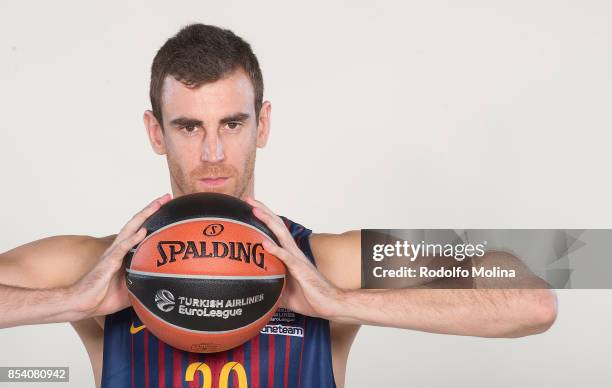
[189, 128]
[233, 126]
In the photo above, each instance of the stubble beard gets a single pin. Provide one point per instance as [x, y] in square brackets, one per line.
[186, 183]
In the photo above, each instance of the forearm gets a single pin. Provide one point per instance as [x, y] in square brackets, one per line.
[27, 306]
[475, 312]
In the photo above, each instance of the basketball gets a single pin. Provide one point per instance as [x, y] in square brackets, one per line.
[200, 280]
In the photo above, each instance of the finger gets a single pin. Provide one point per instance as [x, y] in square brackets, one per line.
[257, 204]
[119, 251]
[139, 218]
[260, 206]
[273, 217]
[279, 252]
[295, 263]
[278, 228]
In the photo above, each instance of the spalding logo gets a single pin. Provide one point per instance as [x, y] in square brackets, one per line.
[164, 300]
[213, 230]
[248, 252]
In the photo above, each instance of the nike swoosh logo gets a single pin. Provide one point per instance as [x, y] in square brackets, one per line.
[135, 330]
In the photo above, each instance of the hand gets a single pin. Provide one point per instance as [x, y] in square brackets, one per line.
[307, 291]
[102, 290]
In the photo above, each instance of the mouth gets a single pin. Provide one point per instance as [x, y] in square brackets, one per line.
[214, 181]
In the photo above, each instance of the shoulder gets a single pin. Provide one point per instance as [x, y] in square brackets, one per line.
[338, 257]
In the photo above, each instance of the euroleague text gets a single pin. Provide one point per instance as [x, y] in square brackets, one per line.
[215, 307]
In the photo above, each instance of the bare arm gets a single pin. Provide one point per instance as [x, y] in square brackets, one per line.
[330, 292]
[35, 278]
[68, 278]
[435, 307]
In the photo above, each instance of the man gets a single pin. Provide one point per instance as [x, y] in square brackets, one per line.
[208, 118]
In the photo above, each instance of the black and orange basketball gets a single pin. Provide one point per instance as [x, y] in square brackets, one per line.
[201, 280]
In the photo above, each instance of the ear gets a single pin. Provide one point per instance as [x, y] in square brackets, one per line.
[155, 132]
[263, 125]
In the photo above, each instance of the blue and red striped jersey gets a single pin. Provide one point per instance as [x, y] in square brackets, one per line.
[292, 350]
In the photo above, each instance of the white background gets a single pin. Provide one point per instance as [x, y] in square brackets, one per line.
[471, 114]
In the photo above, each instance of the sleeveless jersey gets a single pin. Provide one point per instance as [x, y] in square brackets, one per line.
[292, 350]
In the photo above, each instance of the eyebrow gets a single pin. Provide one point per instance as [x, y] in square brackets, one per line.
[241, 116]
[186, 121]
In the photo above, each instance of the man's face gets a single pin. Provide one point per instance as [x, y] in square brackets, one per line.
[210, 135]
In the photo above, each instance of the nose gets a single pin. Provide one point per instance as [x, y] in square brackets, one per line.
[213, 148]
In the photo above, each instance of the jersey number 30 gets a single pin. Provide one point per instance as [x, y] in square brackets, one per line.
[224, 376]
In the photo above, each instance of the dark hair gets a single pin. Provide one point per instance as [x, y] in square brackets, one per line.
[200, 54]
